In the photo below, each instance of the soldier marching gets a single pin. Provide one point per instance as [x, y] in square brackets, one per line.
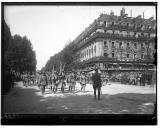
[56, 82]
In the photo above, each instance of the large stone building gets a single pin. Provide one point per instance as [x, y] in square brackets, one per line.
[118, 43]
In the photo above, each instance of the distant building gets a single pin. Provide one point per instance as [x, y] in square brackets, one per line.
[117, 43]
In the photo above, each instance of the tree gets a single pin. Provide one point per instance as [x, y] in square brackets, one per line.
[20, 55]
[62, 59]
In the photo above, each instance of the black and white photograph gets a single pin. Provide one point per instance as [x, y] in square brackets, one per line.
[66, 63]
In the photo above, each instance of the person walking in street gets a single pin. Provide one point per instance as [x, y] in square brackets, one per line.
[43, 82]
[72, 82]
[56, 81]
[83, 82]
[62, 79]
[96, 78]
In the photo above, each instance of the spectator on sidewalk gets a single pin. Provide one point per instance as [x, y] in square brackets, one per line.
[96, 83]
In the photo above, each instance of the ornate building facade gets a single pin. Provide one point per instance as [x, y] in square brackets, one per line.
[118, 43]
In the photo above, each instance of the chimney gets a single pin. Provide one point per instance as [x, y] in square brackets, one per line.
[122, 12]
[131, 12]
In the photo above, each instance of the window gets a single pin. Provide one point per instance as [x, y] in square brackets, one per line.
[120, 44]
[112, 55]
[134, 56]
[105, 31]
[141, 45]
[124, 23]
[142, 34]
[105, 43]
[112, 23]
[141, 25]
[95, 48]
[127, 24]
[112, 44]
[127, 44]
[105, 54]
[127, 55]
[104, 22]
[135, 45]
[142, 56]
[146, 43]
[149, 34]
[89, 52]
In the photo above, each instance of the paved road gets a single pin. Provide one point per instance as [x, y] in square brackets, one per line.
[115, 99]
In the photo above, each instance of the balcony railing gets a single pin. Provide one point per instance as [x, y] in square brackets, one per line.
[128, 28]
[113, 36]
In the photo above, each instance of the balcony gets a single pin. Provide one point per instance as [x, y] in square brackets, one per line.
[127, 28]
[112, 36]
[117, 27]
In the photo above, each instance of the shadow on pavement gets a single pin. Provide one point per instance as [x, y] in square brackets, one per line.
[27, 101]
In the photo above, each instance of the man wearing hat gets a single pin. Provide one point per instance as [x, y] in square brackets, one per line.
[96, 78]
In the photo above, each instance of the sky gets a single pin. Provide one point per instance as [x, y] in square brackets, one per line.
[49, 28]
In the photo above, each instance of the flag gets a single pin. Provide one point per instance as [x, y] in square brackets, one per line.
[53, 69]
[64, 66]
[60, 71]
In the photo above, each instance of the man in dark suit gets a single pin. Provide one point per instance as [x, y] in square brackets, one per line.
[96, 78]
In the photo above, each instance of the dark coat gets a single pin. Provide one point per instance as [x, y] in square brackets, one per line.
[96, 78]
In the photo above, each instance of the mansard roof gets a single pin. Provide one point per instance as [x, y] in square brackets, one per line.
[116, 19]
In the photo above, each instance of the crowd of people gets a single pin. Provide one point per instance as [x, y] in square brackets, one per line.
[134, 78]
[54, 80]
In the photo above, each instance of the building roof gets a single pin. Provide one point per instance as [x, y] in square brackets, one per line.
[116, 19]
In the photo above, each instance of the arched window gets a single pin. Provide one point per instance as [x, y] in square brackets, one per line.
[113, 55]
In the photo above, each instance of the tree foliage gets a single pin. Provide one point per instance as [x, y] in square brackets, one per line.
[18, 56]
[64, 58]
